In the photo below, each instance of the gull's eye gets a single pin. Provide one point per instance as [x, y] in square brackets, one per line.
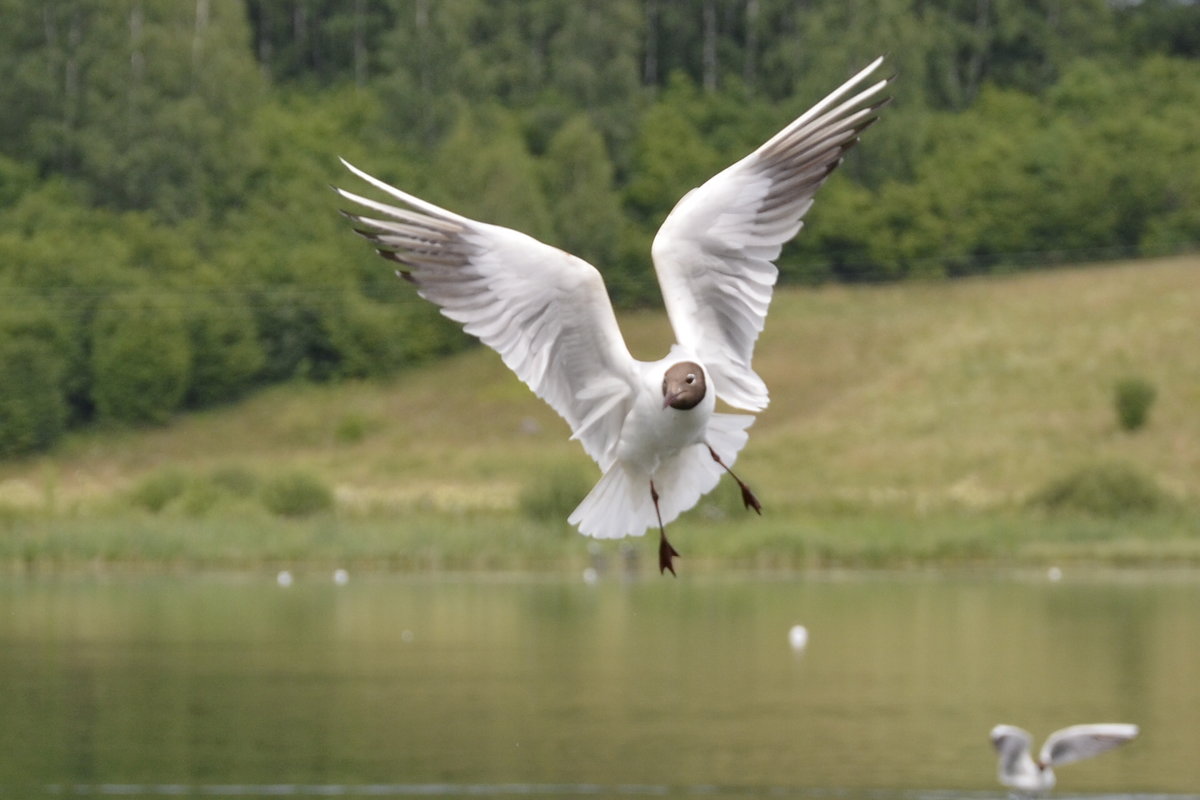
[691, 378]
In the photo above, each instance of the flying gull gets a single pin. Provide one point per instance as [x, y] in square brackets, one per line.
[650, 426]
[1017, 769]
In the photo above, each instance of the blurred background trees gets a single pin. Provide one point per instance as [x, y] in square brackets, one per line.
[167, 240]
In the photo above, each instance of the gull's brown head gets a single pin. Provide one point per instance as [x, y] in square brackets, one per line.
[683, 386]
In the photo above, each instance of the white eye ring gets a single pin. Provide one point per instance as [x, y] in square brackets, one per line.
[691, 378]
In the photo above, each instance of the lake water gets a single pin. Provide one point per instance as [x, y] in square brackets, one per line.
[389, 686]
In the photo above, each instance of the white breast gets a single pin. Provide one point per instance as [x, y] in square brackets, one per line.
[652, 433]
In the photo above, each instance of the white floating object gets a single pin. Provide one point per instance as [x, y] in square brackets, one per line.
[1054, 574]
[341, 577]
[798, 637]
[590, 576]
[406, 636]
[284, 578]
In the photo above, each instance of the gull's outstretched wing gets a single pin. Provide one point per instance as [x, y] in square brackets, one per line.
[1084, 741]
[715, 250]
[1012, 744]
[1014, 766]
[544, 311]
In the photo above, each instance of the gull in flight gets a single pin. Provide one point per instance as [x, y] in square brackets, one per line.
[1017, 769]
[650, 426]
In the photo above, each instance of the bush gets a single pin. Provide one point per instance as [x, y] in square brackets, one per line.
[1103, 490]
[154, 492]
[553, 495]
[226, 355]
[33, 409]
[237, 481]
[296, 494]
[141, 358]
[351, 429]
[1132, 399]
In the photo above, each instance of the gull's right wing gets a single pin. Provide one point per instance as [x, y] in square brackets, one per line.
[1084, 741]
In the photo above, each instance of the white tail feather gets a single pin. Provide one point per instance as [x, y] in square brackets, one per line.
[620, 504]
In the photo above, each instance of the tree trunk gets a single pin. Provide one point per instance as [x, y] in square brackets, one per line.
[710, 45]
[137, 59]
[360, 45]
[750, 56]
[650, 62]
[202, 9]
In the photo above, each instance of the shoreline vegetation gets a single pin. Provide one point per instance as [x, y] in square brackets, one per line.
[919, 424]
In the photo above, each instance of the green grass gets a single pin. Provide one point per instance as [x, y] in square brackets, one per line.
[909, 424]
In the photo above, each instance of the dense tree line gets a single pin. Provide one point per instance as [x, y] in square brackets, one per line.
[167, 240]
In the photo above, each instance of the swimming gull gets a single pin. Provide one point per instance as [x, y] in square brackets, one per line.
[651, 426]
[1016, 769]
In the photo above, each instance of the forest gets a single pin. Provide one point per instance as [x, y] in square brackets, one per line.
[168, 239]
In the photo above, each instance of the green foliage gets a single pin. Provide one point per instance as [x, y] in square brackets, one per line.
[551, 495]
[141, 357]
[486, 171]
[586, 210]
[1103, 490]
[179, 492]
[296, 494]
[33, 410]
[363, 334]
[185, 146]
[37, 356]
[351, 429]
[157, 490]
[226, 354]
[670, 157]
[1132, 399]
[145, 102]
[237, 481]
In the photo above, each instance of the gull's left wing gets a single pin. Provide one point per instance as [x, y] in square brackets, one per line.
[1012, 743]
[715, 250]
[543, 310]
[1084, 741]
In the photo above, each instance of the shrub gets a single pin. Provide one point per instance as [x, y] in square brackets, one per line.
[552, 495]
[1132, 399]
[33, 409]
[237, 481]
[351, 429]
[155, 491]
[199, 497]
[292, 339]
[140, 357]
[1104, 490]
[296, 494]
[226, 355]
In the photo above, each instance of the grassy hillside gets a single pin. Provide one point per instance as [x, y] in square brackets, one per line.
[909, 423]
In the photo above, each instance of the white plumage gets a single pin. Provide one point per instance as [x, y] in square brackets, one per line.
[1016, 768]
[549, 317]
